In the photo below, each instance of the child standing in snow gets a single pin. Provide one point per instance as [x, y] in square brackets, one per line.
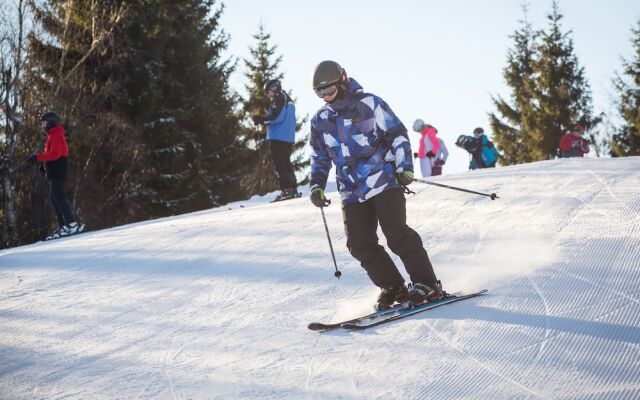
[441, 159]
[370, 148]
[56, 163]
[428, 148]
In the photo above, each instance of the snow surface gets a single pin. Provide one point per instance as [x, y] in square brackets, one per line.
[215, 304]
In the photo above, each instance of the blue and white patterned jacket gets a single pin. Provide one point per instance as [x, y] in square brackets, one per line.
[364, 139]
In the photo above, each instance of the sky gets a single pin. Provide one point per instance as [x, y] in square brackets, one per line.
[435, 60]
[215, 304]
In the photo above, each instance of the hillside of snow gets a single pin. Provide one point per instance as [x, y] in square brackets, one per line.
[215, 304]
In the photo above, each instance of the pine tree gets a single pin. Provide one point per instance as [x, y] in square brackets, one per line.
[549, 94]
[144, 90]
[182, 103]
[509, 133]
[561, 91]
[626, 141]
[263, 65]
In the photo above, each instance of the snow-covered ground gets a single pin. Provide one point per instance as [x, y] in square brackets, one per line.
[215, 304]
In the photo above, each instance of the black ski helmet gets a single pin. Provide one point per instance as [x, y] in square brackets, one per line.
[271, 83]
[51, 118]
[327, 73]
[478, 131]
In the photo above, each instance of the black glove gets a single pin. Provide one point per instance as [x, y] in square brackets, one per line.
[42, 170]
[257, 119]
[318, 199]
[430, 154]
[415, 155]
[405, 178]
[33, 159]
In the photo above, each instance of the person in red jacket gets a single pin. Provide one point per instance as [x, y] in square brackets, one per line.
[572, 144]
[56, 164]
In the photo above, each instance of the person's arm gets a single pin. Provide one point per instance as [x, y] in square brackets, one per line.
[444, 152]
[320, 160]
[279, 102]
[53, 149]
[394, 134]
[584, 146]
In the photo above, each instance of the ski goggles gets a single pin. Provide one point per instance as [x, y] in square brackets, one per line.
[326, 91]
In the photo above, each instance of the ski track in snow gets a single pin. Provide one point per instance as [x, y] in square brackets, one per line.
[214, 304]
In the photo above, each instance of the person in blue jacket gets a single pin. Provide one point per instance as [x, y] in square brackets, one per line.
[360, 134]
[482, 150]
[280, 121]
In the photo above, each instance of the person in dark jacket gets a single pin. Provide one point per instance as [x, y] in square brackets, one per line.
[360, 134]
[55, 158]
[572, 144]
[280, 121]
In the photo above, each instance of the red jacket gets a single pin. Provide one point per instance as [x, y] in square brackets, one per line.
[56, 154]
[572, 146]
[56, 145]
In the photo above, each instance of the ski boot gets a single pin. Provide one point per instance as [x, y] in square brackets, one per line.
[419, 293]
[389, 296]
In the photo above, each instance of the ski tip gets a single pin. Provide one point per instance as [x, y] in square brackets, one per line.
[317, 326]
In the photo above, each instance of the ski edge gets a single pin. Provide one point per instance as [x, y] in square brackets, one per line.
[353, 325]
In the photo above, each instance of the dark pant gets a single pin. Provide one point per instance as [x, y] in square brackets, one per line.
[60, 205]
[281, 156]
[361, 222]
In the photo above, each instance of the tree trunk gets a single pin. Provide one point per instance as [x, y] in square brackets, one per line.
[10, 229]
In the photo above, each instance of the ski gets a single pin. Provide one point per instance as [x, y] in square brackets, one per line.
[319, 326]
[297, 195]
[391, 314]
[408, 311]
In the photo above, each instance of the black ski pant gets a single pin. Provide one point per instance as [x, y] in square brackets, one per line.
[60, 205]
[389, 210]
[281, 156]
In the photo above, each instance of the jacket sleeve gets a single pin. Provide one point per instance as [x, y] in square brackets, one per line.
[395, 135]
[584, 146]
[320, 160]
[276, 108]
[53, 149]
[443, 151]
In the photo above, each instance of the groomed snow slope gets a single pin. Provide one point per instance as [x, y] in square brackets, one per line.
[214, 304]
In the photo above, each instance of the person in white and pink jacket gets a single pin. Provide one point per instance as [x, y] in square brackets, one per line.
[429, 147]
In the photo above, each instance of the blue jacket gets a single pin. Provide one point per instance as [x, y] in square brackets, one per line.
[364, 139]
[282, 127]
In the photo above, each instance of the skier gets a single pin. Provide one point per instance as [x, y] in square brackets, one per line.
[441, 159]
[483, 152]
[370, 148]
[572, 144]
[428, 148]
[56, 163]
[280, 121]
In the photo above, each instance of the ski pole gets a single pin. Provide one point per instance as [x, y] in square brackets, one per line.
[493, 196]
[337, 274]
